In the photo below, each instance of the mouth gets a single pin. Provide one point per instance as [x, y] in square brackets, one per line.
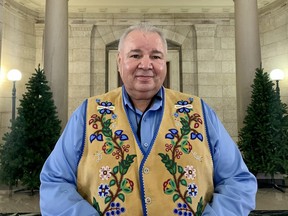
[144, 78]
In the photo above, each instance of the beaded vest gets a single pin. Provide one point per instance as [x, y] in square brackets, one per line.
[175, 176]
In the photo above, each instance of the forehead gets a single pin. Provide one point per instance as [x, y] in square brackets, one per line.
[143, 40]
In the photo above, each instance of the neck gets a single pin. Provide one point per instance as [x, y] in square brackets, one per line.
[141, 105]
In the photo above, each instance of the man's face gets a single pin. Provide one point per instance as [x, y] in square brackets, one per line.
[142, 64]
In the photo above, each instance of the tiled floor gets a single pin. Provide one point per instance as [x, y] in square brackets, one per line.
[19, 202]
[267, 199]
[271, 199]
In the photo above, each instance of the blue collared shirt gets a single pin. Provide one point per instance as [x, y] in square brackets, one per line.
[234, 186]
[150, 120]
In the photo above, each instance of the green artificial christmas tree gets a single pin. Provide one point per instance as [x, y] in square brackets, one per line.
[284, 155]
[33, 134]
[11, 157]
[263, 138]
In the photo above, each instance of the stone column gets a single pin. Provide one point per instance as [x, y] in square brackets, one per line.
[248, 52]
[1, 26]
[39, 32]
[56, 54]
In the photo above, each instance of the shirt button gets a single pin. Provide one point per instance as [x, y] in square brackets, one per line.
[146, 170]
[148, 200]
[146, 145]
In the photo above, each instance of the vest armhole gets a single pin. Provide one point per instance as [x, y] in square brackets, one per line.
[84, 132]
[207, 130]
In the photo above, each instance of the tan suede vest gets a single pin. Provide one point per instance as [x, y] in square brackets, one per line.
[175, 176]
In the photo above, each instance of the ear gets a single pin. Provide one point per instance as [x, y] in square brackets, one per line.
[118, 61]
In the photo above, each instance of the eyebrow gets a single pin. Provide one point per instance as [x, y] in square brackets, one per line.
[157, 52]
[135, 50]
[139, 51]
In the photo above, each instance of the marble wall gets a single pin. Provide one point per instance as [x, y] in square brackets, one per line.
[274, 43]
[202, 60]
[17, 52]
[206, 68]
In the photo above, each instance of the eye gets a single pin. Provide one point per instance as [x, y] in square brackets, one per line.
[156, 57]
[136, 56]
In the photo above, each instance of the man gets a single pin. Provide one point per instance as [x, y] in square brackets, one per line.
[145, 150]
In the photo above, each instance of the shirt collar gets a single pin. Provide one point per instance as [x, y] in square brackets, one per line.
[157, 102]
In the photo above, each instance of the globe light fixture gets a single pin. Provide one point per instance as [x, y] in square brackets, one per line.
[277, 75]
[14, 75]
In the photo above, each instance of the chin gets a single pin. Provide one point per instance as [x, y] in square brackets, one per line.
[146, 89]
[148, 92]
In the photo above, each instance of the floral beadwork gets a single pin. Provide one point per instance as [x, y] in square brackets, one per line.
[192, 190]
[182, 209]
[178, 186]
[114, 144]
[103, 190]
[115, 209]
[105, 173]
[190, 172]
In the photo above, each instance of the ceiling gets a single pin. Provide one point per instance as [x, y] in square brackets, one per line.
[147, 6]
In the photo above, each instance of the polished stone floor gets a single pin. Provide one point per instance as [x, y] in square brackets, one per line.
[21, 202]
[271, 199]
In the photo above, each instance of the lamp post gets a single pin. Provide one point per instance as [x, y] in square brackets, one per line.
[14, 75]
[277, 75]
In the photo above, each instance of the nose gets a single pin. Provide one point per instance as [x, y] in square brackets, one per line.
[145, 63]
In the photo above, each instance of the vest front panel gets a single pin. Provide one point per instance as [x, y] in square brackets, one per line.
[175, 176]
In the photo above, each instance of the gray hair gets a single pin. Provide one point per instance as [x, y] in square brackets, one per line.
[144, 27]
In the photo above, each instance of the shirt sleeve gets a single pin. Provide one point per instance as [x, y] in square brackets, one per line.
[58, 190]
[234, 186]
